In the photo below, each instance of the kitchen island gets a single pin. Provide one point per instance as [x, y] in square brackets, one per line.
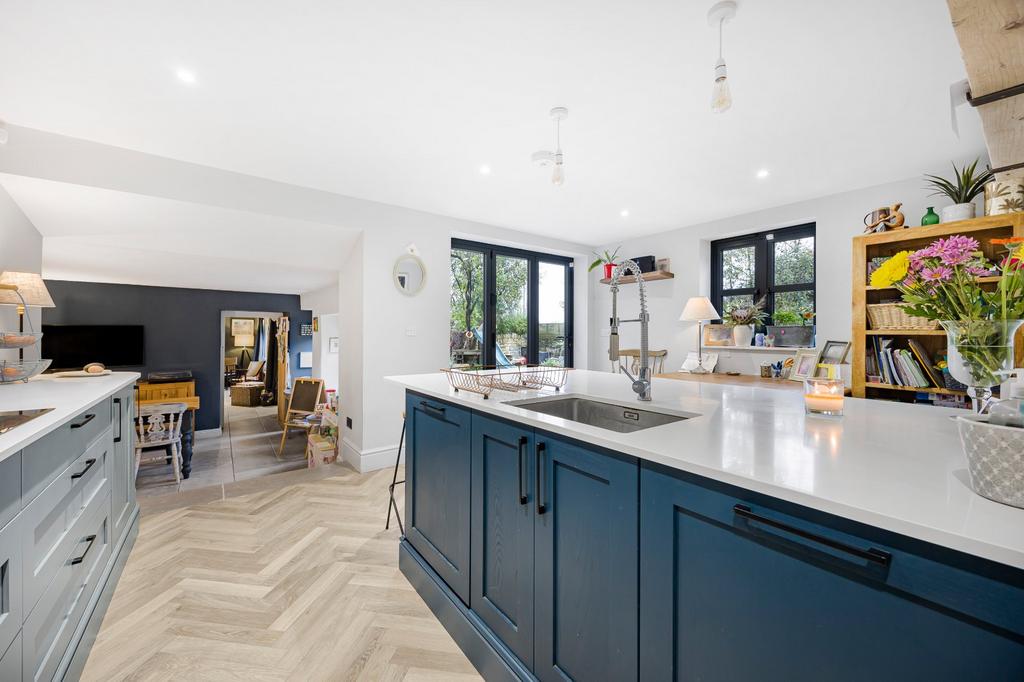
[68, 518]
[746, 541]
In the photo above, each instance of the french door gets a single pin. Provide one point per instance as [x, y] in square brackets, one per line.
[509, 306]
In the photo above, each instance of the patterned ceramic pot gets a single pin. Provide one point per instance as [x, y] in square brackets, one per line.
[995, 459]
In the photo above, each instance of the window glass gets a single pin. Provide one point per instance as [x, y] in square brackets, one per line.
[738, 268]
[794, 261]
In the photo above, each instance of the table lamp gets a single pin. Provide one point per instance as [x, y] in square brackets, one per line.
[24, 289]
[243, 341]
[699, 309]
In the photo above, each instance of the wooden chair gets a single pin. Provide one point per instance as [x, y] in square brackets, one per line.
[657, 360]
[304, 398]
[159, 426]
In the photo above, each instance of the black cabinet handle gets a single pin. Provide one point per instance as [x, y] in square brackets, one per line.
[88, 418]
[88, 465]
[871, 554]
[117, 438]
[523, 440]
[437, 410]
[79, 559]
[541, 507]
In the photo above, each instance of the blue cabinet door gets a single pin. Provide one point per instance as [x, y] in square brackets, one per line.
[501, 568]
[586, 563]
[753, 589]
[437, 498]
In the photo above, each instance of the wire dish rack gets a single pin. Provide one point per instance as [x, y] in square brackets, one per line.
[516, 378]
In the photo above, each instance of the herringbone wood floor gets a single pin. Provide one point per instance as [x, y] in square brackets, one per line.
[295, 583]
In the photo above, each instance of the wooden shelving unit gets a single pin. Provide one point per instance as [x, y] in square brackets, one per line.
[648, 277]
[885, 244]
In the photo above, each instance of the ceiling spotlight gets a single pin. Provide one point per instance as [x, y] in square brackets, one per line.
[763, 173]
[721, 98]
[485, 169]
[624, 213]
[546, 158]
[186, 76]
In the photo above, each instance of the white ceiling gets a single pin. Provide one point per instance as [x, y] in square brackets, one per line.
[402, 101]
[92, 234]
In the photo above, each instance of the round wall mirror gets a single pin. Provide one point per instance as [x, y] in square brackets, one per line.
[409, 274]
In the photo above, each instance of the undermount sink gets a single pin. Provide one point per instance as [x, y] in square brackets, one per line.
[602, 414]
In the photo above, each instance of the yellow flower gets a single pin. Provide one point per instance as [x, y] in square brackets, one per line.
[891, 271]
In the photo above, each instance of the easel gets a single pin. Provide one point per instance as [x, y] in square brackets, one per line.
[305, 397]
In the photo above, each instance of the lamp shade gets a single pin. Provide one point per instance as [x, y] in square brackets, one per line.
[29, 285]
[699, 308]
[245, 339]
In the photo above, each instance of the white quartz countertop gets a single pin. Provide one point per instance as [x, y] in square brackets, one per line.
[67, 396]
[895, 466]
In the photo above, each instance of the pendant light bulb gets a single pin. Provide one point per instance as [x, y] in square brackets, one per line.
[558, 174]
[721, 98]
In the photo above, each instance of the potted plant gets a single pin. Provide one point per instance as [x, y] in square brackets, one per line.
[742, 320]
[608, 259]
[939, 282]
[968, 183]
[792, 329]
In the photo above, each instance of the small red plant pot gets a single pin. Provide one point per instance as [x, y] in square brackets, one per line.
[608, 267]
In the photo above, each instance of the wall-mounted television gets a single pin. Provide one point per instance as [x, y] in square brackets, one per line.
[72, 346]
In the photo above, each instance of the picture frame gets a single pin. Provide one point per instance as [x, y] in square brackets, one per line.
[805, 364]
[241, 326]
[827, 370]
[834, 352]
[717, 335]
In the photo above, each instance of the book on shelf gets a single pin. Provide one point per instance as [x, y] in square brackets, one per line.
[900, 366]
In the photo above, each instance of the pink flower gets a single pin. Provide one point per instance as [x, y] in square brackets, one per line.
[954, 250]
[939, 273]
[978, 271]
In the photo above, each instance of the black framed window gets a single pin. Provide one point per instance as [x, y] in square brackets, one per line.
[776, 265]
[509, 306]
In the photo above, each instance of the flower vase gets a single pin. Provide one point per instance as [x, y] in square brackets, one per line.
[930, 217]
[980, 355]
[742, 334]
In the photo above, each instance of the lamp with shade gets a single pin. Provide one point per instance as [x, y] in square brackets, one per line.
[243, 341]
[699, 309]
[22, 289]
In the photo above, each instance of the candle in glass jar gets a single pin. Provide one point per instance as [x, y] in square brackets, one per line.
[824, 396]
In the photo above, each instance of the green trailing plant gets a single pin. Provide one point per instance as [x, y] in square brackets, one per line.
[786, 317]
[968, 183]
[603, 258]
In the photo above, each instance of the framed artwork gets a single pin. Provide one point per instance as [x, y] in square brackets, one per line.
[241, 326]
[834, 352]
[717, 335]
[827, 370]
[805, 364]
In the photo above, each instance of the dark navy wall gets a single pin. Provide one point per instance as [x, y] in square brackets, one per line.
[182, 327]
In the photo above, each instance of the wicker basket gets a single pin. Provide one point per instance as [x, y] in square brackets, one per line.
[893, 316]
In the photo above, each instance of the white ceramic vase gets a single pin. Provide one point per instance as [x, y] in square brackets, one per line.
[957, 212]
[742, 334]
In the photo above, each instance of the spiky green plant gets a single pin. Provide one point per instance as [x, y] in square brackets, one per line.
[604, 258]
[969, 183]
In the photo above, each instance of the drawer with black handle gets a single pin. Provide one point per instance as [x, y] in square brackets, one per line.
[47, 520]
[51, 454]
[49, 628]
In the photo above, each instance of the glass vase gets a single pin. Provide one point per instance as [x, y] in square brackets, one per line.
[980, 355]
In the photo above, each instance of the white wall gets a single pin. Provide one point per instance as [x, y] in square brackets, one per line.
[838, 218]
[325, 363]
[21, 250]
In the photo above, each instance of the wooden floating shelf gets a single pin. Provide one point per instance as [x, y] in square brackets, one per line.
[912, 389]
[905, 332]
[648, 277]
[980, 280]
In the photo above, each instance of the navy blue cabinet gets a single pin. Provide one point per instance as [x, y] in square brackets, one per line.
[735, 586]
[586, 563]
[501, 584]
[438, 487]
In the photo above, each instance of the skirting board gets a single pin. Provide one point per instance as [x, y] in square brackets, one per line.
[487, 654]
[364, 461]
[78, 653]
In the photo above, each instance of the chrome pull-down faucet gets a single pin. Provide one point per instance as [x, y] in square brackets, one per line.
[641, 382]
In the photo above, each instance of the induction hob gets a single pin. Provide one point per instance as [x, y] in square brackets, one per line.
[15, 418]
